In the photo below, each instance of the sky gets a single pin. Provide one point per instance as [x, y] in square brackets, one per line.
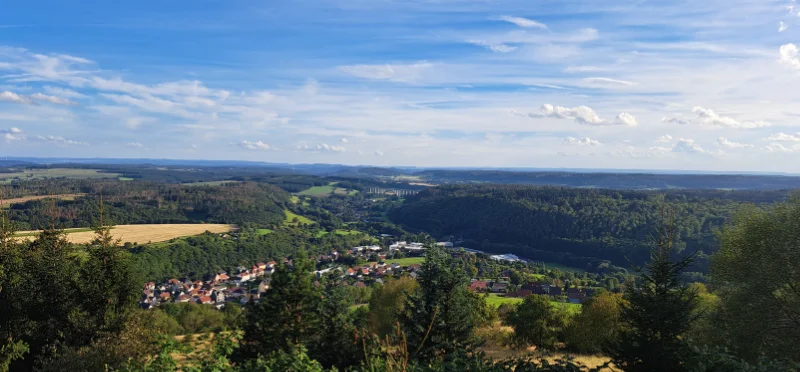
[635, 84]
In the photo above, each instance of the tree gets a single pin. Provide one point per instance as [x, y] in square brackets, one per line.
[287, 316]
[440, 316]
[387, 302]
[656, 315]
[597, 325]
[336, 345]
[536, 322]
[757, 274]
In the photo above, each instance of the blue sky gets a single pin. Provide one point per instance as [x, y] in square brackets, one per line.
[636, 84]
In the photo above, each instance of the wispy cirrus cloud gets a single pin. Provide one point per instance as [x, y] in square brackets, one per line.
[499, 48]
[522, 22]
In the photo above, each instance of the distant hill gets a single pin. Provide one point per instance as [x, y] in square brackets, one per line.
[572, 226]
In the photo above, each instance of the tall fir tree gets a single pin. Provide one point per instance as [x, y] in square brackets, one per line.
[440, 316]
[287, 315]
[656, 315]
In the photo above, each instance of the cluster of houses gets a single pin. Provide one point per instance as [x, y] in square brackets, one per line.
[249, 284]
[245, 285]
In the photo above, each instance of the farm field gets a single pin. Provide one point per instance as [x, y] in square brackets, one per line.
[24, 199]
[407, 261]
[496, 300]
[143, 233]
[37, 174]
[550, 265]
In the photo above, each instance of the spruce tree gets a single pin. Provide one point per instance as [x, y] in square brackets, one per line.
[658, 313]
[287, 315]
[440, 316]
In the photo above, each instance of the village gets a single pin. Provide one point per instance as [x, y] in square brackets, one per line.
[248, 284]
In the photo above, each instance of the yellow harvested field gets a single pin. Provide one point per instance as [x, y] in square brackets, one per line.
[150, 233]
[39, 197]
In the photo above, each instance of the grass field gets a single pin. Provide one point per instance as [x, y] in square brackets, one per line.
[38, 174]
[264, 231]
[496, 300]
[318, 191]
[144, 233]
[24, 199]
[125, 179]
[407, 261]
[290, 216]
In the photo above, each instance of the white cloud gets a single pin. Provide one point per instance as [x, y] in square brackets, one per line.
[777, 147]
[322, 147]
[782, 27]
[499, 48]
[784, 137]
[582, 115]
[673, 120]
[688, 146]
[17, 98]
[258, 145]
[378, 153]
[733, 145]
[585, 141]
[522, 22]
[13, 97]
[789, 55]
[12, 134]
[625, 118]
[134, 145]
[52, 99]
[62, 92]
[664, 139]
[578, 69]
[396, 72]
[59, 140]
[710, 117]
[609, 82]
[344, 140]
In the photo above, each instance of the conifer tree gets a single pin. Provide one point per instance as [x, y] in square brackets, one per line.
[656, 315]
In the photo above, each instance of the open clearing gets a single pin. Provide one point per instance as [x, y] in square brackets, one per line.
[318, 191]
[290, 216]
[407, 261]
[145, 233]
[24, 199]
[496, 300]
[38, 174]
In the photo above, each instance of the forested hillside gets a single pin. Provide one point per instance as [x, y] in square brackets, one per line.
[573, 226]
[149, 202]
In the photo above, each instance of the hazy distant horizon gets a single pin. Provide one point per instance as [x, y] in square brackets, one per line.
[215, 162]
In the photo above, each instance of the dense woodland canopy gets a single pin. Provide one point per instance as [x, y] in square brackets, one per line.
[573, 226]
[148, 202]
